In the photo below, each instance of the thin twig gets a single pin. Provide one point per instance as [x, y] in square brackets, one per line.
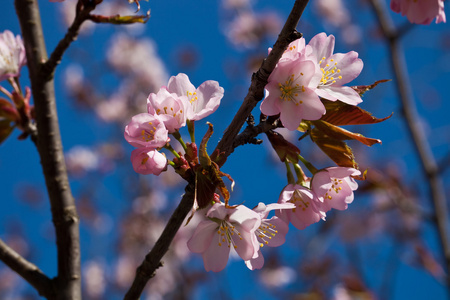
[259, 80]
[30, 272]
[420, 142]
[64, 214]
[72, 33]
[152, 260]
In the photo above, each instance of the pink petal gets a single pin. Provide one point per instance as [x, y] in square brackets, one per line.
[202, 237]
[342, 93]
[322, 45]
[349, 64]
[215, 258]
[256, 263]
[180, 85]
[209, 94]
[282, 229]
[246, 246]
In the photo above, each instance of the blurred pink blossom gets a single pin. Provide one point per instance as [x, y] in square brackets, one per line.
[94, 279]
[12, 55]
[249, 29]
[420, 11]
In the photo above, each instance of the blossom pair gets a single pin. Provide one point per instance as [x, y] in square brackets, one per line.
[167, 111]
[240, 228]
[304, 74]
[329, 188]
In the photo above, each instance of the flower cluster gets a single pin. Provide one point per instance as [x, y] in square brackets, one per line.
[306, 73]
[167, 111]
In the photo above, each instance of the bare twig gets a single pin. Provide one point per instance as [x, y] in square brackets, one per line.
[411, 117]
[32, 274]
[259, 80]
[152, 260]
[49, 145]
[82, 15]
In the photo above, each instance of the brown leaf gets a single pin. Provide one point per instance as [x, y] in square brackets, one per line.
[335, 149]
[5, 129]
[343, 134]
[361, 89]
[339, 113]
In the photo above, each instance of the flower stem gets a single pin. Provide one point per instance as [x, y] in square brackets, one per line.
[300, 174]
[308, 165]
[191, 129]
[168, 147]
[6, 92]
[290, 176]
[178, 137]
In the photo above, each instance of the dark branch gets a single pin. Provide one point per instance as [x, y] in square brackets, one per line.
[55, 58]
[248, 136]
[49, 145]
[27, 270]
[259, 80]
[420, 142]
[152, 260]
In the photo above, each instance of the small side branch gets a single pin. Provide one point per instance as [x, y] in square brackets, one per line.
[152, 260]
[31, 273]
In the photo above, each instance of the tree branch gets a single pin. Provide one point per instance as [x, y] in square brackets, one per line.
[31, 273]
[152, 260]
[411, 117]
[49, 145]
[82, 15]
[259, 80]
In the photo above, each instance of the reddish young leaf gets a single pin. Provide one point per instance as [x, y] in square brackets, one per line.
[339, 133]
[118, 19]
[339, 113]
[361, 89]
[5, 129]
[8, 111]
[335, 149]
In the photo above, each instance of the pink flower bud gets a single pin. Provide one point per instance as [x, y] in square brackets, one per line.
[148, 161]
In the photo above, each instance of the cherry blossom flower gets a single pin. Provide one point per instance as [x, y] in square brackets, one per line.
[290, 92]
[12, 55]
[335, 70]
[420, 11]
[334, 187]
[306, 211]
[272, 232]
[148, 161]
[225, 228]
[145, 130]
[171, 108]
[203, 101]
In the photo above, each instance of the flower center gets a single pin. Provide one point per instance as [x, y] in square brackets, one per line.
[329, 72]
[299, 202]
[336, 187]
[227, 232]
[148, 134]
[290, 90]
[192, 96]
[169, 111]
[266, 232]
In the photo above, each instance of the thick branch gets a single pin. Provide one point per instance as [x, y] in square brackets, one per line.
[259, 80]
[27, 270]
[411, 117]
[49, 145]
[152, 260]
